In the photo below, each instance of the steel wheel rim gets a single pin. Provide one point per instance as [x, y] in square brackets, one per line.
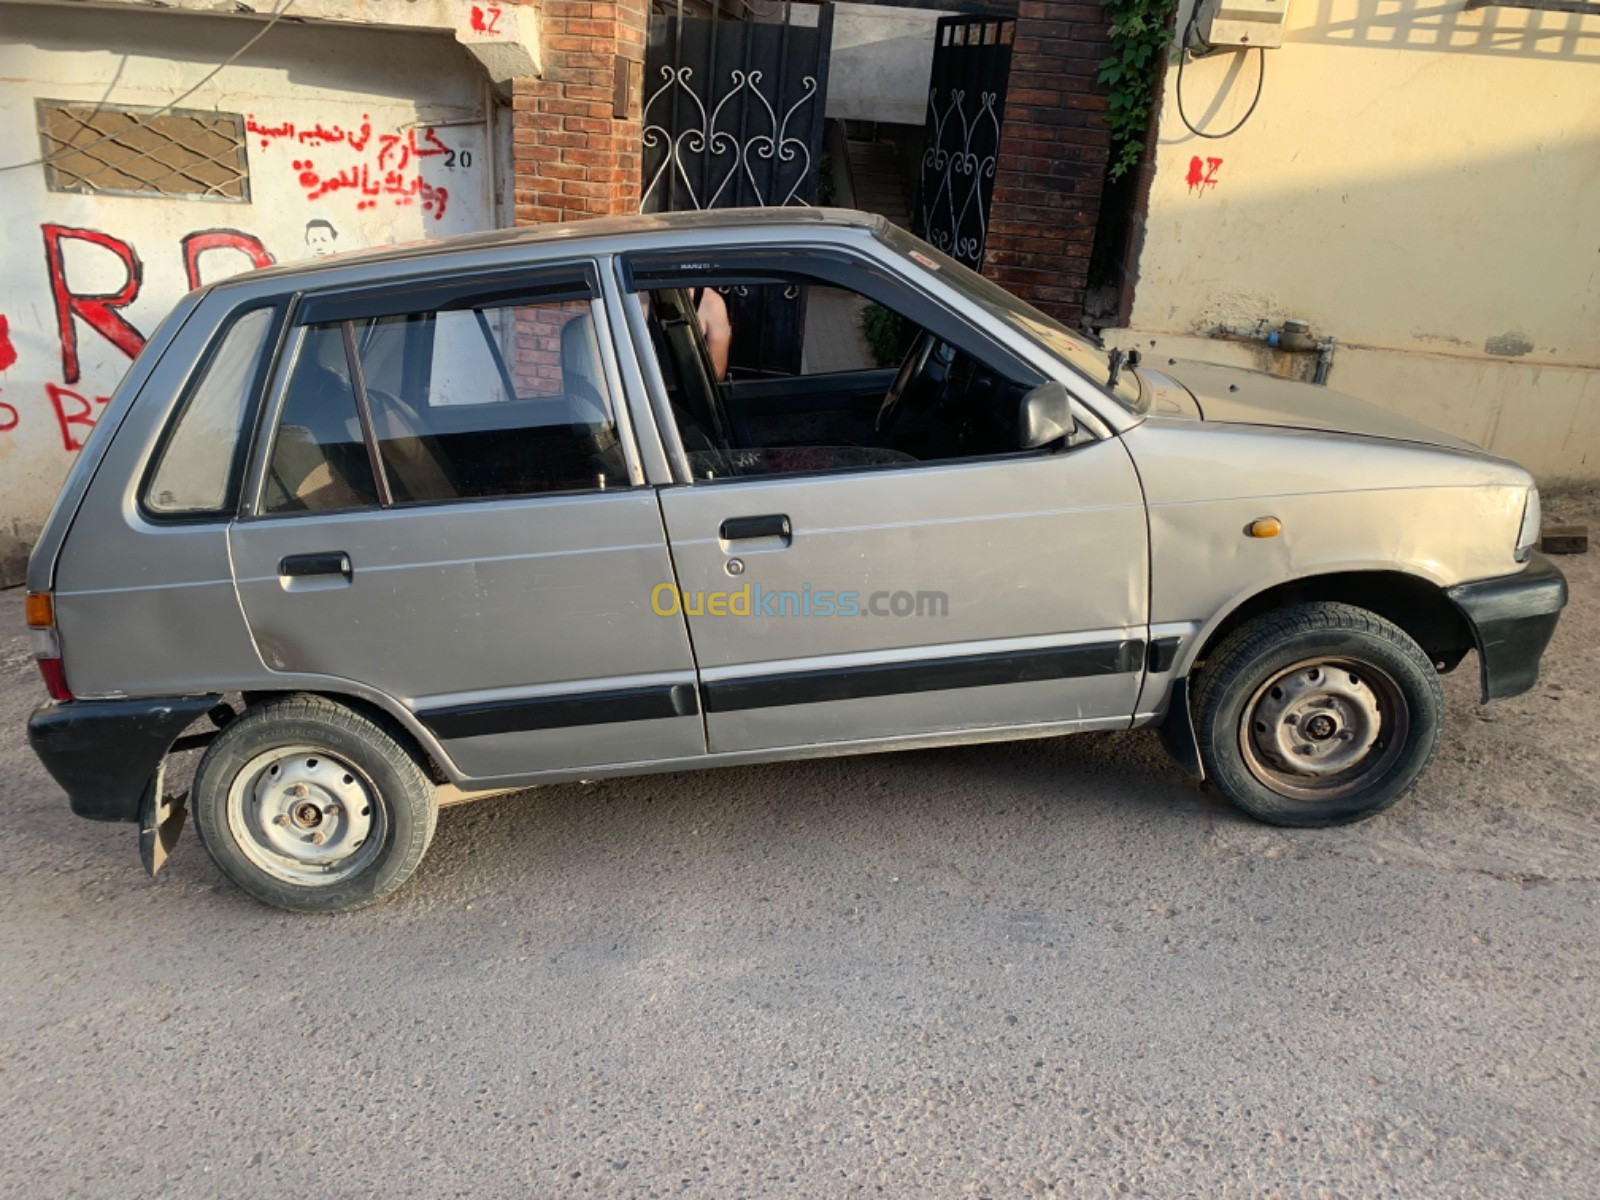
[1324, 728]
[306, 817]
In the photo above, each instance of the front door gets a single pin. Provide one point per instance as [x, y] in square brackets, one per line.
[856, 572]
[449, 514]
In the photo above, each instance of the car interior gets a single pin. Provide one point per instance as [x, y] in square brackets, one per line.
[940, 402]
[487, 437]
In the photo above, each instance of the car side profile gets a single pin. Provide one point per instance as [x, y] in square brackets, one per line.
[486, 513]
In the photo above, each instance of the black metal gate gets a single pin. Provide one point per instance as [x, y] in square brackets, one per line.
[733, 112]
[966, 108]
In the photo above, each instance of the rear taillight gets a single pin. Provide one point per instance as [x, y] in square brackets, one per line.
[41, 610]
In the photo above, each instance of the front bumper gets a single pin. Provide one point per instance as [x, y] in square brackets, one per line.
[1512, 618]
[105, 752]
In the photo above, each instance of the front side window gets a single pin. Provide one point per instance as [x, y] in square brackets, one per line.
[844, 382]
[195, 470]
[1082, 355]
[472, 401]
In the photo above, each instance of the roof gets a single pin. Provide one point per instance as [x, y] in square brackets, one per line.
[634, 225]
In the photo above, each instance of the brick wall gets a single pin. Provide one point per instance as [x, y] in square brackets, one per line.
[569, 157]
[1053, 151]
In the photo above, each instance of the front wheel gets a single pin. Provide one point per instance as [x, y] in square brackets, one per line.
[1318, 714]
[310, 806]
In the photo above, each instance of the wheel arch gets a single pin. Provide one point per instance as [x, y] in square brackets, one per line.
[1419, 606]
[432, 764]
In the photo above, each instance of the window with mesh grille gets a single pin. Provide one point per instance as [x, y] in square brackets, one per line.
[122, 150]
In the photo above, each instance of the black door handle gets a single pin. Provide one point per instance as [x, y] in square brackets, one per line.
[332, 562]
[736, 529]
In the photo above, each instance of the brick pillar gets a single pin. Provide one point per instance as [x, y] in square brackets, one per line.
[569, 157]
[1053, 152]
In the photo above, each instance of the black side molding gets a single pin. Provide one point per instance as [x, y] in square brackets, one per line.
[1512, 619]
[923, 675]
[105, 752]
[527, 713]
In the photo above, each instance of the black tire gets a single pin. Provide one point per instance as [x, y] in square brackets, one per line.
[390, 805]
[1270, 667]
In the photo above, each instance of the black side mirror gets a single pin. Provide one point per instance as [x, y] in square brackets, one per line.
[1044, 415]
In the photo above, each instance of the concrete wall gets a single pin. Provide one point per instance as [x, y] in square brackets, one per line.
[381, 134]
[881, 58]
[1421, 182]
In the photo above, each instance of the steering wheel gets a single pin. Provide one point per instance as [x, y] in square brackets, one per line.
[916, 361]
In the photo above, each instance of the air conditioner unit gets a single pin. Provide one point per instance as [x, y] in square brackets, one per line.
[1242, 22]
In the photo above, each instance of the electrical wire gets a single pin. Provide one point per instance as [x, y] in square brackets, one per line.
[1183, 58]
[167, 107]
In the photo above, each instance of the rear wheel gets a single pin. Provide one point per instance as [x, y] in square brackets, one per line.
[310, 806]
[1318, 714]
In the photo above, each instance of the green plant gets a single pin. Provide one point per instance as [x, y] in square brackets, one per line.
[1140, 33]
[883, 329]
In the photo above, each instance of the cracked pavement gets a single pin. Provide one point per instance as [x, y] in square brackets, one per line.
[1046, 968]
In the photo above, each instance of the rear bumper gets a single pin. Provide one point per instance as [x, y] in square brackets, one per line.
[1512, 618]
[105, 752]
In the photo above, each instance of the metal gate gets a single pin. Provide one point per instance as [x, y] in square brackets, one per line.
[733, 112]
[966, 108]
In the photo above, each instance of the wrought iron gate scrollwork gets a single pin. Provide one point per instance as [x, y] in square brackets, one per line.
[779, 147]
[732, 117]
[966, 109]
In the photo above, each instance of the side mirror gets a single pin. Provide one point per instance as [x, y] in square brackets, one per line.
[1044, 415]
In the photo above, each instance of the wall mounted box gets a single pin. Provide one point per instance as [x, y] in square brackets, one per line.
[1243, 22]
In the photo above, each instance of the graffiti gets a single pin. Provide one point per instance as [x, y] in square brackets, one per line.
[486, 19]
[102, 312]
[202, 241]
[392, 170]
[82, 417]
[98, 310]
[320, 237]
[316, 135]
[1202, 174]
[393, 184]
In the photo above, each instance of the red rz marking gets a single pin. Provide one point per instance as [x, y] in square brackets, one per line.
[1202, 174]
[486, 20]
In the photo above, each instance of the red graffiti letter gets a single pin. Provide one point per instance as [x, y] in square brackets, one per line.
[82, 414]
[8, 352]
[197, 243]
[8, 417]
[99, 309]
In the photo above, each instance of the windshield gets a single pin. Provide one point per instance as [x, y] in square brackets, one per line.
[1074, 349]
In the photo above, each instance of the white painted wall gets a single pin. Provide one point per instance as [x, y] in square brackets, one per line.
[341, 118]
[1421, 181]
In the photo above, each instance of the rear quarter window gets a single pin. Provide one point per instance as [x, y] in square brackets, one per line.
[196, 468]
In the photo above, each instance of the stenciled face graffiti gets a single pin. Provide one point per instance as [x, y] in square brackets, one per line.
[320, 238]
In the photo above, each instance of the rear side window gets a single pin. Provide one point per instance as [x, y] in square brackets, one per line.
[470, 401]
[194, 472]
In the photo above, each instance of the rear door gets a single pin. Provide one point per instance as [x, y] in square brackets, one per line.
[448, 509]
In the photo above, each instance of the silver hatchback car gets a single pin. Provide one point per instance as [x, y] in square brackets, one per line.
[695, 490]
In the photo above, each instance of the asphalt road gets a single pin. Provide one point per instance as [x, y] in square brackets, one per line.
[1042, 969]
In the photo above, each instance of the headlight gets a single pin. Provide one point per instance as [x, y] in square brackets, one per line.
[1528, 535]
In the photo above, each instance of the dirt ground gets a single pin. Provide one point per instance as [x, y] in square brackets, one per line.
[1049, 968]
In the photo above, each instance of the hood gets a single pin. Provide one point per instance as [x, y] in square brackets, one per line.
[1234, 396]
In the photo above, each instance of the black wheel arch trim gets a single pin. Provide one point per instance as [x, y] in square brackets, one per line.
[104, 753]
[1512, 618]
